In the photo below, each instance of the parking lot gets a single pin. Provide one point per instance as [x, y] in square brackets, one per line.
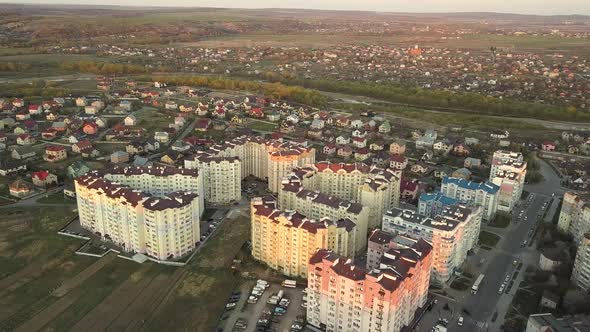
[252, 187]
[249, 314]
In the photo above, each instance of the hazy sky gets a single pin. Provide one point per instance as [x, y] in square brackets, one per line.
[545, 7]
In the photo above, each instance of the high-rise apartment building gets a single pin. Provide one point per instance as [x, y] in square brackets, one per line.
[285, 241]
[344, 297]
[574, 218]
[508, 172]
[581, 271]
[452, 233]
[265, 159]
[318, 205]
[147, 210]
[222, 177]
[373, 187]
[483, 194]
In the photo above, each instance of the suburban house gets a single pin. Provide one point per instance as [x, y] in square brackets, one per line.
[90, 128]
[359, 142]
[81, 146]
[342, 140]
[202, 124]
[55, 153]
[118, 157]
[420, 168]
[25, 139]
[345, 151]
[130, 120]
[43, 179]
[329, 149]
[397, 147]
[162, 136]
[548, 146]
[472, 162]
[385, 127]
[23, 152]
[398, 162]
[135, 147]
[427, 140]
[461, 150]
[20, 189]
[100, 122]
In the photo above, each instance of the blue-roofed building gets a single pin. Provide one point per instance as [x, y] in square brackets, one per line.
[484, 194]
[432, 204]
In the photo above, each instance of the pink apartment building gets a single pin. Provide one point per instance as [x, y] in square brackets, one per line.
[345, 297]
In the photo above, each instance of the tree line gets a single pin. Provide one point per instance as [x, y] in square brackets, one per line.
[14, 66]
[445, 100]
[273, 90]
[103, 68]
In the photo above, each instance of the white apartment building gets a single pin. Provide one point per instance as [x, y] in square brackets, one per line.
[264, 159]
[154, 180]
[508, 171]
[373, 187]
[318, 205]
[452, 234]
[574, 218]
[342, 297]
[483, 194]
[222, 177]
[285, 241]
[581, 271]
[163, 227]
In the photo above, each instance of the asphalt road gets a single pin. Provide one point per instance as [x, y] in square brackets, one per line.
[483, 304]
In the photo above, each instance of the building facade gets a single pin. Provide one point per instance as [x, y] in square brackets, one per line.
[344, 297]
[222, 177]
[574, 218]
[374, 187]
[285, 241]
[452, 234]
[264, 159]
[317, 205]
[581, 271]
[431, 204]
[483, 194]
[508, 172]
[150, 211]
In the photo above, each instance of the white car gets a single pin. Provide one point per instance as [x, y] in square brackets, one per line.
[460, 321]
[501, 290]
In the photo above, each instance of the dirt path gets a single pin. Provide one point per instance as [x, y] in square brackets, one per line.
[84, 275]
[139, 311]
[21, 277]
[111, 307]
[49, 314]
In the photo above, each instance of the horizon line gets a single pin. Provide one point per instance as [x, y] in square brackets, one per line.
[285, 8]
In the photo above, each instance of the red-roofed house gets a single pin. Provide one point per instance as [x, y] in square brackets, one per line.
[330, 149]
[409, 190]
[359, 142]
[203, 124]
[398, 162]
[25, 139]
[82, 146]
[44, 179]
[90, 128]
[35, 109]
[345, 151]
[548, 146]
[257, 113]
[31, 125]
[55, 153]
[17, 102]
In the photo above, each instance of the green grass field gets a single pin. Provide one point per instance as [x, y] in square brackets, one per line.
[488, 239]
